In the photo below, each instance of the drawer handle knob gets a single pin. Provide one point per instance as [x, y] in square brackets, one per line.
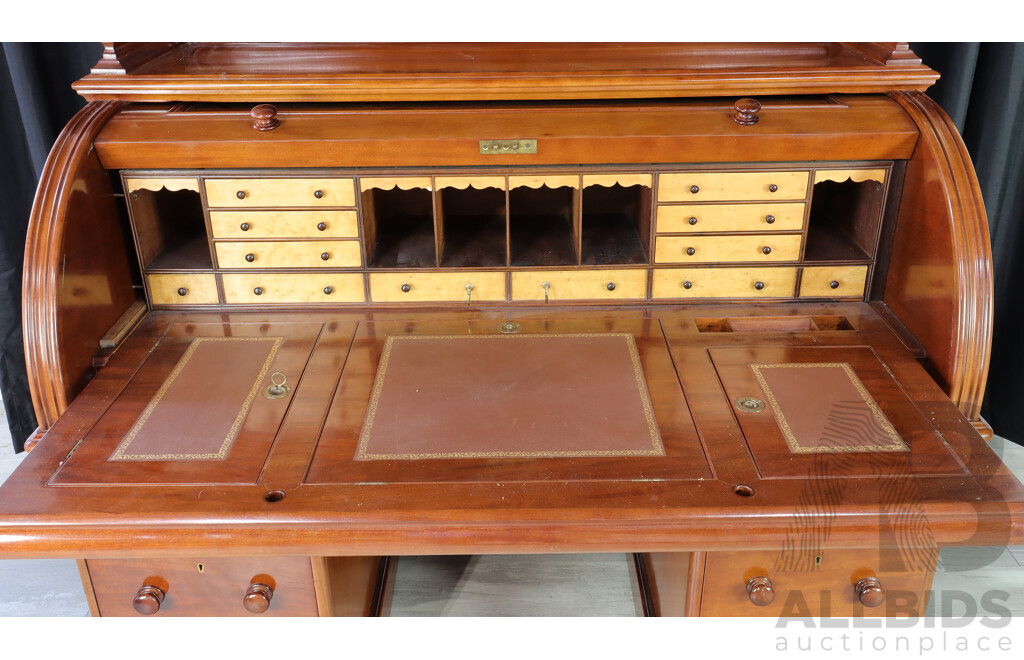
[322, 226]
[746, 112]
[182, 291]
[834, 284]
[547, 290]
[240, 194]
[264, 117]
[325, 256]
[758, 285]
[406, 288]
[250, 257]
[760, 591]
[469, 293]
[148, 600]
[257, 598]
[693, 220]
[611, 286]
[766, 250]
[328, 290]
[773, 188]
[319, 194]
[244, 226]
[690, 251]
[687, 284]
[258, 291]
[695, 189]
[870, 592]
[770, 219]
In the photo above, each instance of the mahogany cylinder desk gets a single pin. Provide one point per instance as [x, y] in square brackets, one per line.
[295, 310]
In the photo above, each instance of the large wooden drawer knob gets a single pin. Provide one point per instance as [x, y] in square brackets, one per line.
[760, 591]
[870, 592]
[257, 598]
[148, 600]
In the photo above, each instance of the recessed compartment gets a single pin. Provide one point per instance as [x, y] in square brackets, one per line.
[846, 211]
[819, 323]
[616, 225]
[541, 226]
[471, 223]
[170, 231]
[398, 226]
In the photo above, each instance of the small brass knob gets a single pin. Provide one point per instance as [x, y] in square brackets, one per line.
[244, 226]
[322, 226]
[406, 288]
[250, 257]
[687, 284]
[770, 219]
[758, 285]
[328, 290]
[611, 286]
[690, 251]
[318, 194]
[772, 188]
[258, 291]
[766, 250]
[870, 592]
[257, 598]
[760, 590]
[325, 256]
[147, 601]
[182, 291]
[693, 220]
[834, 284]
[695, 189]
[240, 194]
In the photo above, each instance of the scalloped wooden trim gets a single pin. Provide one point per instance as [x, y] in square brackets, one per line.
[43, 251]
[133, 184]
[972, 252]
[624, 180]
[463, 182]
[857, 176]
[549, 180]
[390, 183]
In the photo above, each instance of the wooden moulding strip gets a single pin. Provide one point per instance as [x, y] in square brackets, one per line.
[400, 182]
[133, 184]
[550, 180]
[857, 176]
[463, 182]
[624, 180]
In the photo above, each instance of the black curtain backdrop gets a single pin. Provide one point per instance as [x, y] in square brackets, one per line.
[982, 90]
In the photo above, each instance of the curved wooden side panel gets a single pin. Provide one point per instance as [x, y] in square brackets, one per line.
[77, 276]
[940, 275]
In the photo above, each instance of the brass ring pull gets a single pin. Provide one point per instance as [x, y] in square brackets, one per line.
[276, 389]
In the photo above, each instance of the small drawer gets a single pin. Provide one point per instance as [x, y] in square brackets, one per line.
[726, 249]
[216, 586]
[833, 281]
[264, 288]
[580, 285]
[290, 254]
[183, 288]
[467, 287]
[704, 218]
[724, 283]
[731, 186]
[833, 583]
[256, 193]
[284, 224]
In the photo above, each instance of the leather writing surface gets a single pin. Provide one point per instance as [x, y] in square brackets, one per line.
[538, 395]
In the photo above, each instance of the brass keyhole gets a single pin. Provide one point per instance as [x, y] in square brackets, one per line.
[276, 389]
[200, 568]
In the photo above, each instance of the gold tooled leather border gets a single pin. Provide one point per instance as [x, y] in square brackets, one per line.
[657, 447]
[794, 446]
[120, 454]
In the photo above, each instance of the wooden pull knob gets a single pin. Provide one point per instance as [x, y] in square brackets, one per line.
[870, 592]
[758, 285]
[182, 291]
[690, 251]
[148, 600]
[746, 111]
[406, 288]
[322, 226]
[695, 189]
[687, 284]
[258, 291]
[319, 194]
[328, 290]
[264, 117]
[773, 188]
[257, 598]
[760, 591]
[770, 219]
[250, 257]
[325, 256]
[693, 220]
[611, 286]
[834, 284]
[766, 250]
[244, 226]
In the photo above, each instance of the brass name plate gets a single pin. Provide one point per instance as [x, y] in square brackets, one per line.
[508, 146]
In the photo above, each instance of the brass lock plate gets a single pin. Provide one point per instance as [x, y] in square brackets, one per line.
[508, 146]
[750, 404]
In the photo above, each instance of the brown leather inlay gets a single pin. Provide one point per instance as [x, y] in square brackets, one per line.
[504, 396]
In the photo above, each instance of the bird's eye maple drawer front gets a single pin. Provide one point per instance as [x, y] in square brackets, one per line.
[183, 288]
[284, 224]
[833, 281]
[465, 287]
[799, 583]
[217, 586]
[579, 285]
[257, 193]
[264, 288]
[727, 248]
[723, 283]
[288, 254]
[731, 186]
[702, 218]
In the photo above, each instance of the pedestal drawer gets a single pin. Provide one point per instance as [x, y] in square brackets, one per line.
[256, 193]
[735, 186]
[465, 286]
[723, 283]
[580, 285]
[724, 249]
[288, 254]
[183, 288]
[218, 586]
[264, 288]
[284, 224]
[868, 582]
[833, 281]
[730, 217]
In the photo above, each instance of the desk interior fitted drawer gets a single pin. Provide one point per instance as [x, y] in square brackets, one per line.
[183, 288]
[255, 193]
[726, 186]
[726, 249]
[262, 288]
[284, 224]
[580, 285]
[215, 586]
[290, 254]
[833, 281]
[724, 283]
[466, 286]
[730, 217]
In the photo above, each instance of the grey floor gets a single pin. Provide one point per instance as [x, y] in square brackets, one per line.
[969, 580]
